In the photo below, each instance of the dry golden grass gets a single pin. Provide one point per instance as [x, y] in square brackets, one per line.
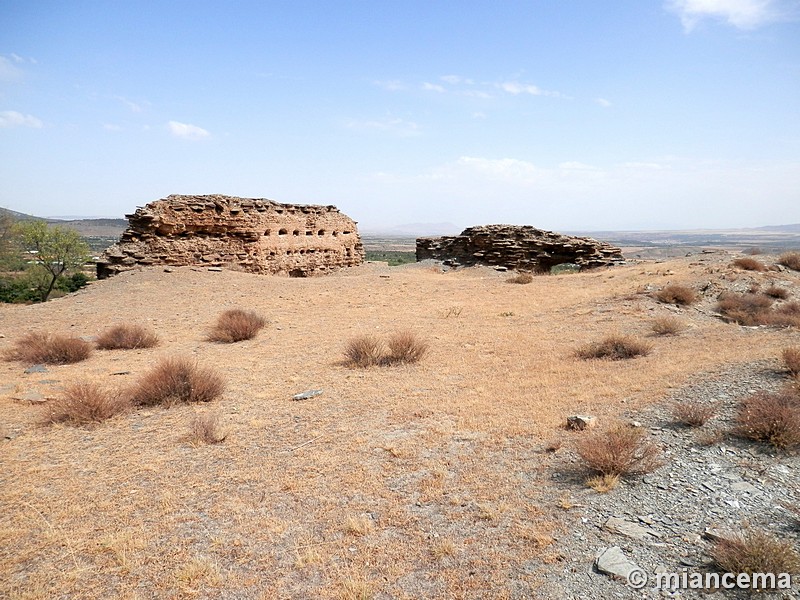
[790, 260]
[84, 404]
[205, 428]
[754, 551]
[236, 325]
[602, 484]
[615, 347]
[91, 513]
[749, 264]
[521, 278]
[126, 337]
[175, 381]
[49, 349]
[676, 294]
[667, 325]
[619, 451]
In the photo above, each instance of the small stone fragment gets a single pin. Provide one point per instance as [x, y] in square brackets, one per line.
[581, 422]
[612, 561]
[307, 394]
[36, 369]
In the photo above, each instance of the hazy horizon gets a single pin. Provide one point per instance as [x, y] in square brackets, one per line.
[659, 115]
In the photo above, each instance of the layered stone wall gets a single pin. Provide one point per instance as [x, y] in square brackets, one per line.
[256, 234]
[520, 247]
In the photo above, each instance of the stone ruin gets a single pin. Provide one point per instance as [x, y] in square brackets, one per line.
[519, 247]
[253, 234]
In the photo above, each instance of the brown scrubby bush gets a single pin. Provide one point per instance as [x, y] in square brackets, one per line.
[521, 278]
[615, 347]
[126, 337]
[175, 381]
[791, 359]
[771, 417]
[35, 348]
[236, 325]
[749, 264]
[790, 260]
[777, 292]
[204, 428]
[365, 351]
[694, 414]
[676, 294]
[754, 551]
[85, 403]
[619, 451]
[745, 309]
[405, 347]
[667, 325]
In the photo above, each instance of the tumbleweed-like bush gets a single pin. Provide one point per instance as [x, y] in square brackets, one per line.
[35, 348]
[667, 325]
[405, 347]
[365, 351]
[791, 260]
[791, 359]
[236, 325]
[85, 403]
[126, 337]
[175, 381]
[749, 264]
[676, 294]
[619, 451]
[754, 551]
[771, 417]
[615, 347]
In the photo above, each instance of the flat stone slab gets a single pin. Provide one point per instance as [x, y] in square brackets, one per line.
[629, 529]
[612, 561]
[30, 396]
[36, 369]
[307, 394]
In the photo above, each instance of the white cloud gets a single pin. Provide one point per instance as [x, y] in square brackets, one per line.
[12, 118]
[8, 71]
[603, 102]
[111, 127]
[391, 85]
[432, 87]
[187, 131]
[515, 88]
[390, 125]
[132, 106]
[742, 14]
[456, 79]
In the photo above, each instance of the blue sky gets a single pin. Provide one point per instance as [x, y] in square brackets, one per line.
[566, 115]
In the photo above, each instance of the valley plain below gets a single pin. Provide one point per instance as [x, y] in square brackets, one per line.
[440, 479]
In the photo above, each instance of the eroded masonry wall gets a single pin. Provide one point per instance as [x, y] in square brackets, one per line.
[520, 247]
[253, 234]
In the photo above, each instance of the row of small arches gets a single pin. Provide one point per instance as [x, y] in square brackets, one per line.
[296, 232]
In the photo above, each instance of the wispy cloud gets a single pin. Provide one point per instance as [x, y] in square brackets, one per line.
[464, 86]
[742, 14]
[111, 127]
[603, 102]
[8, 70]
[391, 85]
[187, 131]
[515, 88]
[132, 106]
[389, 125]
[12, 118]
[432, 87]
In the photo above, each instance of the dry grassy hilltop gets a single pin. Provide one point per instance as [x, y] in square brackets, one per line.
[423, 480]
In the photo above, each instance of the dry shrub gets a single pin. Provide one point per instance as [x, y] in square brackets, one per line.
[753, 551]
[791, 359]
[405, 347]
[602, 484]
[791, 260]
[776, 292]
[745, 309]
[773, 418]
[126, 337]
[204, 428]
[676, 294]
[753, 251]
[749, 264]
[520, 278]
[619, 451]
[177, 380]
[35, 348]
[85, 403]
[365, 351]
[667, 325]
[786, 315]
[694, 414]
[615, 347]
[236, 325]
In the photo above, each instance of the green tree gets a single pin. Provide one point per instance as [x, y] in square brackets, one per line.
[55, 250]
[7, 233]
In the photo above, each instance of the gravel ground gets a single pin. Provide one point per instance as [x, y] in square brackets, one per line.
[722, 487]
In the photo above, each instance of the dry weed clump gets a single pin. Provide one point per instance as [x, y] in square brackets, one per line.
[615, 347]
[236, 325]
[749, 264]
[175, 381]
[676, 294]
[405, 347]
[694, 414]
[602, 484]
[667, 325]
[368, 350]
[745, 309]
[205, 428]
[521, 278]
[756, 552]
[753, 251]
[791, 359]
[126, 337]
[790, 260]
[85, 403]
[619, 451]
[786, 315]
[777, 292]
[36, 348]
[773, 418]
